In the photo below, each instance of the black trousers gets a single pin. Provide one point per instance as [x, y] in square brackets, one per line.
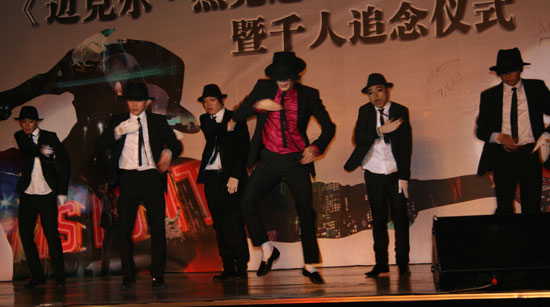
[521, 167]
[137, 187]
[228, 222]
[383, 193]
[30, 207]
[271, 170]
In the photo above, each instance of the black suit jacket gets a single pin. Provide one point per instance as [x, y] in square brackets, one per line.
[55, 169]
[489, 119]
[365, 135]
[161, 136]
[309, 104]
[232, 146]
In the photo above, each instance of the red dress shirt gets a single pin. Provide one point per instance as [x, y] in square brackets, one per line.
[272, 135]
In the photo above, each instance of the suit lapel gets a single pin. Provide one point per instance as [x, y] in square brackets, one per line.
[371, 116]
[393, 115]
[149, 125]
[301, 102]
[498, 106]
[391, 111]
[537, 126]
[531, 106]
[40, 139]
[151, 132]
[226, 116]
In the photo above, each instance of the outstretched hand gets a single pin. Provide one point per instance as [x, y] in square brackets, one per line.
[390, 126]
[267, 105]
[125, 127]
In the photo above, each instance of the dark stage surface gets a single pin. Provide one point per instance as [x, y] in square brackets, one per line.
[343, 285]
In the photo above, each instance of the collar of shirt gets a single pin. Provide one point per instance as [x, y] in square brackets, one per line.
[219, 115]
[508, 88]
[142, 117]
[386, 112]
[291, 92]
[35, 135]
[386, 108]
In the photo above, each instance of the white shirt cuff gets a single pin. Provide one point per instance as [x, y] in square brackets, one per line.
[493, 138]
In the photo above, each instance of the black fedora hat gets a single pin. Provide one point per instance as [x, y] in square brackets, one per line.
[286, 65]
[136, 91]
[28, 112]
[508, 60]
[212, 90]
[376, 79]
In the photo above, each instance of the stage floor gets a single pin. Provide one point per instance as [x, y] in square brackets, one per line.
[343, 285]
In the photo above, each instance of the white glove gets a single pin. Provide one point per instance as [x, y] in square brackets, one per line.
[403, 187]
[543, 145]
[46, 150]
[61, 199]
[125, 127]
[390, 126]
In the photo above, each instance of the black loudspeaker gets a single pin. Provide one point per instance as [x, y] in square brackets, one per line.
[497, 251]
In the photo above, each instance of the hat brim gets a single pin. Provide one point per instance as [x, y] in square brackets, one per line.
[22, 118]
[202, 97]
[137, 98]
[507, 69]
[278, 73]
[387, 84]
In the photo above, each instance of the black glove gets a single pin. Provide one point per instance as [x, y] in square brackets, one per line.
[5, 112]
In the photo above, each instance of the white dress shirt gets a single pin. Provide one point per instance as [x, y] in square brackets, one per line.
[129, 159]
[217, 163]
[525, 133]
[38, 185]
[379, 159]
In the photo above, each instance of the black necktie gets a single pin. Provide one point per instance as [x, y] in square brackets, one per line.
[386, 137]
[140, 140]
[215, 153]
[514, 114]
[282, 117]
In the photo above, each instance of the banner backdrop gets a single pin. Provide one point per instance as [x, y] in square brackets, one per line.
[65, 57]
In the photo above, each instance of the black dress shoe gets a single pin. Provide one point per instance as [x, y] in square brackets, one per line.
[35, 282]
[242, 269]
[60, 283]
[127, 283]
[159, 283]
[241, 274]
[404, 270]
[315, 277]
[378, 271]
[265, 266]
[225, 275]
